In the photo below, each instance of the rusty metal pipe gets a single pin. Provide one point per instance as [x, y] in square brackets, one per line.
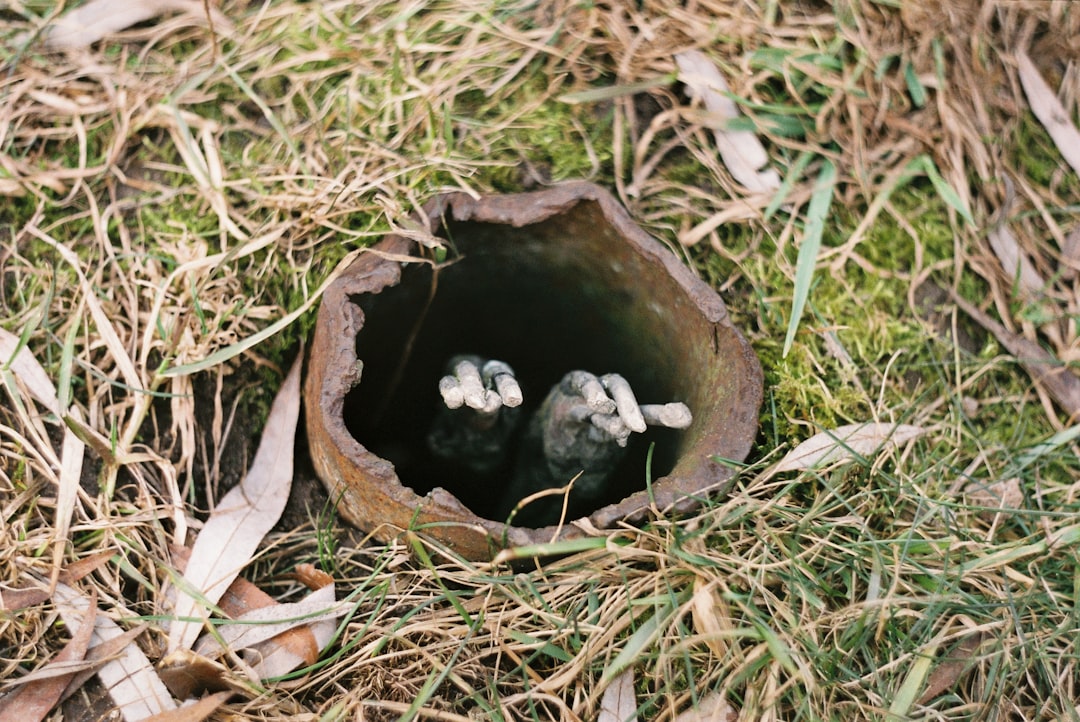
[550, 281]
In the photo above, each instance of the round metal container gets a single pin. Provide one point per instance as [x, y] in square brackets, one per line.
[549, 281]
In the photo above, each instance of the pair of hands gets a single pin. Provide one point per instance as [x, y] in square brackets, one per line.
[606, 402]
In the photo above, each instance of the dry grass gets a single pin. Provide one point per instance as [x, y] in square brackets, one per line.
[172, 192]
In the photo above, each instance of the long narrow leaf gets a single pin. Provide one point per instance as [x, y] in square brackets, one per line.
[242, 518]
[820, 202]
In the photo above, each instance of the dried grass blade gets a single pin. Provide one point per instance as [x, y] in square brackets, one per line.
[101, 319]
[1049, 110]
[72, 453]
[130, 679]
[610, 92]
[820, 201]
[242, 517]
[224, 354]
[845, 442]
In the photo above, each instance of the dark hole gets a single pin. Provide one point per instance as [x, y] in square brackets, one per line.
[514, 296]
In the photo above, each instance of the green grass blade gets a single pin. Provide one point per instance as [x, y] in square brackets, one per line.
[617, 91]
[795, 172]
[638, 643]
[911, 686]
[943, 189]
[818, 210]
[1061, 438]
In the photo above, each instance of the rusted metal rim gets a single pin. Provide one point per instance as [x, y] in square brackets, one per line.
[551, 280]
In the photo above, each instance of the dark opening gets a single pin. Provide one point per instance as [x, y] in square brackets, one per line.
[525, 296]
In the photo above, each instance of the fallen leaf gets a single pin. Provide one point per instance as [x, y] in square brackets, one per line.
[241, 519]
[619, 704]
[954, 665]
[1016, 264]
[28, 370]
[36, 696]
[28, 596]
[187, 674]
[281, 654]
[312, 577]
[135, 688]
[1061, 383]
[88, 23]
[297, 643]
[710, 708]
[196, 712]
[260, 625]
[711, 617]
[998, 494]
[1049, 110]
[741, 151]
[846, 442]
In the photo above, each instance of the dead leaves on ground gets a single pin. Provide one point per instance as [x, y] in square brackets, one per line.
[1055, 302]
[280, 637]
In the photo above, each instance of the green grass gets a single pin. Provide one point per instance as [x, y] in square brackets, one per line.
[835, 594]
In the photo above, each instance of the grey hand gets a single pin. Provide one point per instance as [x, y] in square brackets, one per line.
[610, 405]
[483, 386]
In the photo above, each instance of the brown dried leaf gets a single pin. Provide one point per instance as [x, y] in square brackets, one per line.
[312, 577]
[1049, 110]
[187, 674]
[845, 442]
[241, 519]
[999, 494]
[194, 712]
[952, 668]
[299, 644]
[262, 628]
[23, 597]
[39, 694]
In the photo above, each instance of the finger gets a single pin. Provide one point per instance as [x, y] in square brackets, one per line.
[613, 428]
[472, 387]
[675, 415]
[451, 392]
[588, 386]
[505, 383]
[492, 403]
[625, 401]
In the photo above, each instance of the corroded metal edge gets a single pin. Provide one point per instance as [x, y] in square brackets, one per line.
[369, 493]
